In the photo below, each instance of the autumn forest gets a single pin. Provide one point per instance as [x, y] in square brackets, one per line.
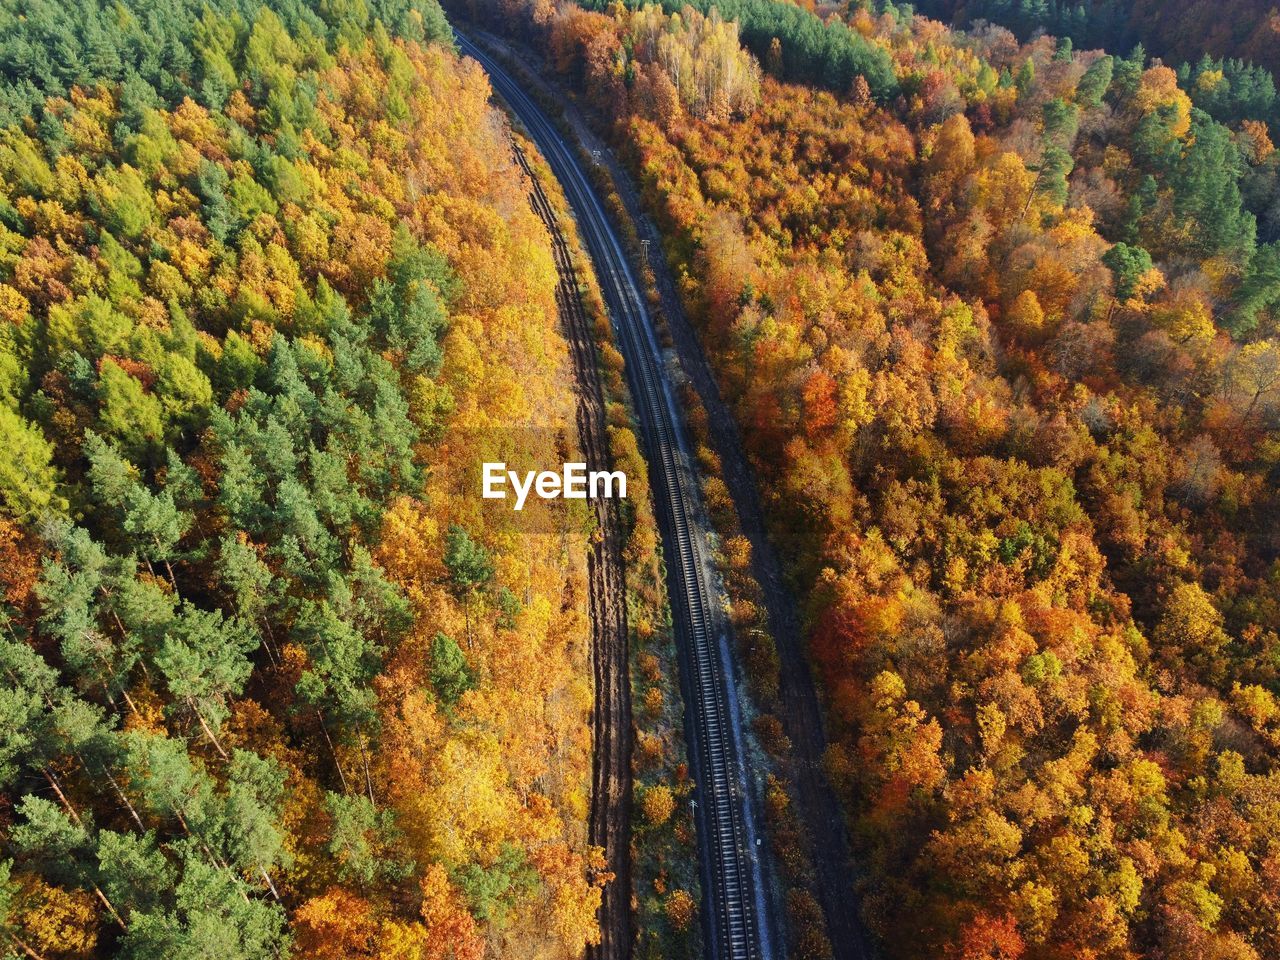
[989, 293]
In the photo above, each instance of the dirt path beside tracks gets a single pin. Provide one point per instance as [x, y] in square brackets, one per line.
[611, 786]
[800, 709]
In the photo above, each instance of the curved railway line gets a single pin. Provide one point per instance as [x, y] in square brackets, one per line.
[735, 914]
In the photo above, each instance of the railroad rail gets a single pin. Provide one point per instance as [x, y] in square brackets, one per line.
[734, 902]
[609, 826]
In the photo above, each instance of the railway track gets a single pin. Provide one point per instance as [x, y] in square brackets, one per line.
[609, 826]
[735, 914]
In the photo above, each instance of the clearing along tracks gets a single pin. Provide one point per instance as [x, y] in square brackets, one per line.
[735, 914]
[798, 704]
[611, 782]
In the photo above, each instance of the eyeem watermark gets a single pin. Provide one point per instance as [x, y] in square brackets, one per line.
[573, 482]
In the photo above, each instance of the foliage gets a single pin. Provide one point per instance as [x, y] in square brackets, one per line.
[1183, 30]
[160, 51]
[264, 271]
[1004, 361]
[827, 53]
[701, 58]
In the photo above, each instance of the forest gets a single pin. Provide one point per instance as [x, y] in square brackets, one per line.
[1183, 30]
[1000, 333]
[994, 300]
[273, 684]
